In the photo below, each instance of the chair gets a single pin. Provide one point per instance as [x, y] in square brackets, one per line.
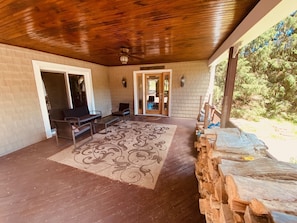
[151, 103]
[65, 129]
[123, 110]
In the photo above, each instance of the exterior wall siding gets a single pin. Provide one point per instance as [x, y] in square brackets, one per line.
[185, 100]
[21, 122]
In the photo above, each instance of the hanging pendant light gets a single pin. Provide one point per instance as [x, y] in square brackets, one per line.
[124, 59]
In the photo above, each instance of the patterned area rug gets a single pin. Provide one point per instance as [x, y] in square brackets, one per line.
[131, 152]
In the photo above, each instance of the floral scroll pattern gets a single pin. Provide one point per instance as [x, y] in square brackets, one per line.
[132, 152]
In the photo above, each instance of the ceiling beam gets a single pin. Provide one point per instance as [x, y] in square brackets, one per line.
[264, 15]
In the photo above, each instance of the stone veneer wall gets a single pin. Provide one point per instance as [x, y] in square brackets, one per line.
[185, 100]
[21, 121]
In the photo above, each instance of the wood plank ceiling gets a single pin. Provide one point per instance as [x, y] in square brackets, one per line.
[91, 30]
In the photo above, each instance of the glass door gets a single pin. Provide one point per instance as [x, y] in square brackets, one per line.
[165, 90]
[157, 93]
[78, 90]
[152, 92]
[139, 94]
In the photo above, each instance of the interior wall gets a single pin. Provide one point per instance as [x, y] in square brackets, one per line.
[21, 121]
[185, 100]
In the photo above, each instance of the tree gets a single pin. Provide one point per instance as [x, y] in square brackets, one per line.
[266, 81]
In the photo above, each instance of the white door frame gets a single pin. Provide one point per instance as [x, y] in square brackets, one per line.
[40, 66]
[143, 72]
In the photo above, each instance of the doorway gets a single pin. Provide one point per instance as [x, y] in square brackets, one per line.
[152, 93]
[77, 82]
[57, 96]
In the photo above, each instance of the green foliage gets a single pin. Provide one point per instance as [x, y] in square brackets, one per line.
[266, 80]
[218, 93]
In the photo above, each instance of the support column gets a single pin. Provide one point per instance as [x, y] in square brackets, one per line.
[229, 87]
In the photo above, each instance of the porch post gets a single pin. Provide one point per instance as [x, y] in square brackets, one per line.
[229, 86]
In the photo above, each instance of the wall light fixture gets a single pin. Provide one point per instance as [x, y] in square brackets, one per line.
[124, 82]
[182, 81]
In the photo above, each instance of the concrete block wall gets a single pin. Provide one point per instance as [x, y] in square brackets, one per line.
[21, 121]
[185, 100]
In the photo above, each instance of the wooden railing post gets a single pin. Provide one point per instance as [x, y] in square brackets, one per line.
[206, 116]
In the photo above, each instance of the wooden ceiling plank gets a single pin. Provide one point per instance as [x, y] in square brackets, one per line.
[93, 30]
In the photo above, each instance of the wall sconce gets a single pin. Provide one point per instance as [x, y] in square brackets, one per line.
[182, 81]
[124, 82]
